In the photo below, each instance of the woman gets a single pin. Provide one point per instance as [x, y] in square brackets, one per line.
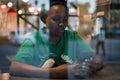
[54, 40]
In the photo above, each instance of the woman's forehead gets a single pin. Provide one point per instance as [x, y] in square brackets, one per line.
[58, 9]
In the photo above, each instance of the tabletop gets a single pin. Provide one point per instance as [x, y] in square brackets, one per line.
[111, 71]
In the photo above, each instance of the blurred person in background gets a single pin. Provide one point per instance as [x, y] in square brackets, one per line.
[101, 41]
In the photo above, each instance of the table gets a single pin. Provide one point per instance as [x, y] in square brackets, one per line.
[111, 71]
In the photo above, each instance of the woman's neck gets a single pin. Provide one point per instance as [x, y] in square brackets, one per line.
[54, 39]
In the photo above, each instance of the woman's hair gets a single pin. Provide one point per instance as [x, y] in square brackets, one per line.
[53, 3]
[58, 2]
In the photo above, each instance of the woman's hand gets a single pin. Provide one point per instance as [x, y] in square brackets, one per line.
[65, 71]
[78, 71]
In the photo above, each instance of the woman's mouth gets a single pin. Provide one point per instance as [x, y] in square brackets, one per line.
[61, 31]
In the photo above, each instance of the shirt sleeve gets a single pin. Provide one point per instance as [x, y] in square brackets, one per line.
[84, 50]
[25, 53]
[84, 47]
[78, 49]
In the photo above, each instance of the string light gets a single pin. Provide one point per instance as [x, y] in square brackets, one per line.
[20, 12]
[3, 7]
[10, 4]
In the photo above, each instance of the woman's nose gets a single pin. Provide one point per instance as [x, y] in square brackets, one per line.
[61, 24]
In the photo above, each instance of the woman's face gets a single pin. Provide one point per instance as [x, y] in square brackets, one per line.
[57, 20]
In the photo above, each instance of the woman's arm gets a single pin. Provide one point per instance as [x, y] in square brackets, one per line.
[20, 69]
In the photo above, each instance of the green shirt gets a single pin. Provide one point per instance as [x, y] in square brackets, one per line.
[36, 48]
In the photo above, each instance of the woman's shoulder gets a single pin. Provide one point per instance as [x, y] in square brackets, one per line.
[70, 35]
[32, 36]
[70, 32]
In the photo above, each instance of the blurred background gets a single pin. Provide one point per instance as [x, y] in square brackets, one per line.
[19, 18]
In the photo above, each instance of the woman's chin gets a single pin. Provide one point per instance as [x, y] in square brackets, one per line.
[59, 34]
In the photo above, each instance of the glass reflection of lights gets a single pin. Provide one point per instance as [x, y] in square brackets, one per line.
[25, 1]
[10, 4]
[20, 12]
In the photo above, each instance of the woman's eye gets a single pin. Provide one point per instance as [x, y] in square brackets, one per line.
[56, 19]
[65, 19]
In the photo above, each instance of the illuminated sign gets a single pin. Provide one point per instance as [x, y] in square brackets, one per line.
[103, 2]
